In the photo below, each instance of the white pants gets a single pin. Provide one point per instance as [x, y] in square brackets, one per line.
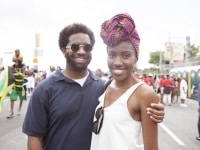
[167, 99]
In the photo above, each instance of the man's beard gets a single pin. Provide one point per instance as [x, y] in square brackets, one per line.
[74, 66]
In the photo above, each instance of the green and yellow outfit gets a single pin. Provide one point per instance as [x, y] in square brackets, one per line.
[18, 89]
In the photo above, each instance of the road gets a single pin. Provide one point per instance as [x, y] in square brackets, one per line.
[177, 132]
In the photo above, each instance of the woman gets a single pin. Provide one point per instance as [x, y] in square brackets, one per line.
[121, 114]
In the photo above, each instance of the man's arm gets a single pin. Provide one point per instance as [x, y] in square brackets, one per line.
[156, 112]
[34, 143]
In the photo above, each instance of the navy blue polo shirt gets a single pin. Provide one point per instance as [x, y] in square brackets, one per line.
[61, 111]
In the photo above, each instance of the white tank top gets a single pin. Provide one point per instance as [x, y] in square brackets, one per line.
[119, 130]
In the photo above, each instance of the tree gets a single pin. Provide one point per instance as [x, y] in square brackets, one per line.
[193, 52]
[156, 58]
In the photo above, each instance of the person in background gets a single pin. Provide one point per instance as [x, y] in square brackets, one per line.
[161, 85]
[176, 90]
[18, 90]
[121, 115]
[157, 86]
[37, 77]
[168, 86]
[17, 56]
[136, 74]
[61, 108]
[98, 73]
[149, 80]
[105, 77]
[156, 83]
[52, 69]
[183, 91]
[30, 82]
[198, 124]
[144, 78]
[18, 60]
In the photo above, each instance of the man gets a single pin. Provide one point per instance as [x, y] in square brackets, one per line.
[168, 85]
[17, 56]
[18, 90]
[61, 108]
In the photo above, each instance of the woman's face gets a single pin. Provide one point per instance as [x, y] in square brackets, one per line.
[121, 60]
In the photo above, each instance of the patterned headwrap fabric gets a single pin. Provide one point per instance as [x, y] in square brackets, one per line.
[119, 28]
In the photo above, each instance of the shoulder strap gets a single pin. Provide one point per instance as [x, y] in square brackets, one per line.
[130, 91]
[107, 83]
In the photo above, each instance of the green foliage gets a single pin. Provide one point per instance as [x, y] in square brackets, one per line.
[194, 50]
[156, 58]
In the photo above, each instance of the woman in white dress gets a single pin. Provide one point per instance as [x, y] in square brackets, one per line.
[121, 115]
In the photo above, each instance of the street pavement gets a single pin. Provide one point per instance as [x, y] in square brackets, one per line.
[176, 132]
[11, 136]
[179, 128]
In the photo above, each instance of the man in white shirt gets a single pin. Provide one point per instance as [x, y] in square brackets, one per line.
[183, 91]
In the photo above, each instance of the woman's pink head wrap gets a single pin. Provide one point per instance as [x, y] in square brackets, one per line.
[119, 28]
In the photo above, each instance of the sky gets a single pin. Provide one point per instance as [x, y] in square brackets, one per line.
[157, 22]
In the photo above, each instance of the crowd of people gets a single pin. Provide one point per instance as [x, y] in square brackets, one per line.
[171, 89]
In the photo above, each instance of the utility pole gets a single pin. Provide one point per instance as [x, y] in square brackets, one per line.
[35, 54]
[160, 61]
[187, 50]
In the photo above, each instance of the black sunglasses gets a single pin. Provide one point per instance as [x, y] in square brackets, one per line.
[76, 47]
[96, 127]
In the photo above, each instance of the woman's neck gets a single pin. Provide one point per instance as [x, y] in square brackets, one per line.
[124, 84]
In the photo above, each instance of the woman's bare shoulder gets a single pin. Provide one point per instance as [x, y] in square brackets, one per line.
[145, 93]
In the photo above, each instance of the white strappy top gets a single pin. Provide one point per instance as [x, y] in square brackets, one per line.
[119, 130]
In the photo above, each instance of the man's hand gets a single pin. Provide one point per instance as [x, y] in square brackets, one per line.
[156, 112]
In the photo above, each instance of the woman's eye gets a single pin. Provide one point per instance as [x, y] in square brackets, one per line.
[125, 56]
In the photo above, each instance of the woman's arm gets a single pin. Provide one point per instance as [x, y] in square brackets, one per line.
[149, 127]
[34, 143]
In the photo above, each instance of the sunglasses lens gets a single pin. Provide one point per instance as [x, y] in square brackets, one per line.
[98, 112]
[95, 127]
[98, 123]
[74, 47]
[88, 47]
